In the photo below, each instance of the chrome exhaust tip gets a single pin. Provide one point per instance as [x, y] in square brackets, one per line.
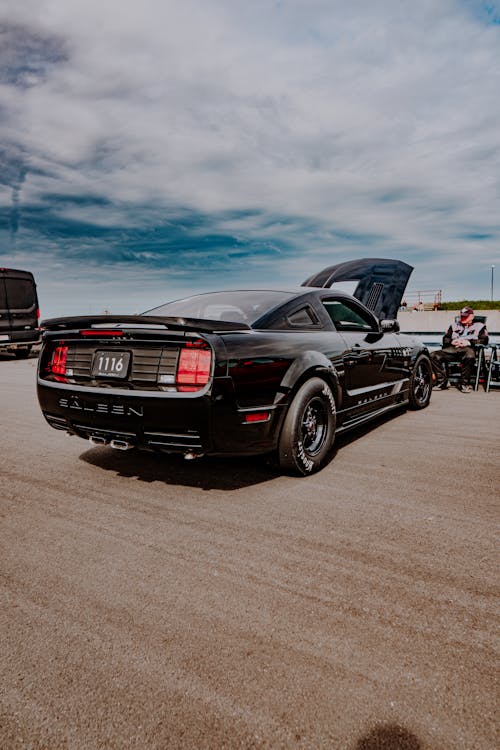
[95, 440]
[190, 455]
[121, 445]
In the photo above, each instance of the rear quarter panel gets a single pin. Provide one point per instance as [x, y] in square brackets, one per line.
[258, 361]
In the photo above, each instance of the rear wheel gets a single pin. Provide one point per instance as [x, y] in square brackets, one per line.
[23, 353]
[421, 383]
[309, 429]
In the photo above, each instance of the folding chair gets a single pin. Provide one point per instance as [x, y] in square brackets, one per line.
[493, 377]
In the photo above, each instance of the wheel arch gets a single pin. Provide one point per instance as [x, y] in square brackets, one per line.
[309, 364]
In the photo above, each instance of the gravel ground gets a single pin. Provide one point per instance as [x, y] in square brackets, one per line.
[147, 602]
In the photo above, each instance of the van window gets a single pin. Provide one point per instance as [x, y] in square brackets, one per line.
[20, 294]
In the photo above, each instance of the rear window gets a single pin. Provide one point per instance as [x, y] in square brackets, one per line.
[237, 306]
[20, 294]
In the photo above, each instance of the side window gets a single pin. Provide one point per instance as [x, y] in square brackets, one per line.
[304, 317]
[347, 316]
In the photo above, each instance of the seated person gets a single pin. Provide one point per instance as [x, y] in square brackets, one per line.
[458, 344]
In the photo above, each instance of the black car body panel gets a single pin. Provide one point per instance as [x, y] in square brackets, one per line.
[19, 312]
[191, 385]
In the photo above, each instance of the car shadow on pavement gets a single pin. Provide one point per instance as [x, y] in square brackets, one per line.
[207, 472]
[389, 737]
[11, 357]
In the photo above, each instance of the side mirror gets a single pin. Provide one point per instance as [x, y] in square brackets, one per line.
[386, 326]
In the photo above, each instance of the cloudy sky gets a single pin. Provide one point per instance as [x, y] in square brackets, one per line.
[156, 148]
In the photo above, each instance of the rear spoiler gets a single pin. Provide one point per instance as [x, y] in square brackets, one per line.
[121, 322]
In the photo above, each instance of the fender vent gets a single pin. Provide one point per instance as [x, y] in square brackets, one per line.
[374, 295]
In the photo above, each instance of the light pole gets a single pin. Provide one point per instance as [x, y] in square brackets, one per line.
[492, 270]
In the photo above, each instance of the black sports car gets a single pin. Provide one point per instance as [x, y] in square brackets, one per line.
[239, 372]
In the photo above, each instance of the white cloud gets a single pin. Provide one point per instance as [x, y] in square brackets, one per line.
[369, 118]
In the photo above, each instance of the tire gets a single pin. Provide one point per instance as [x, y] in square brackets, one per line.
[309, 429]
[420, 383]
[23, 353]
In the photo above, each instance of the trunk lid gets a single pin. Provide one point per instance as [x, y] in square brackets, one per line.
[132, 352]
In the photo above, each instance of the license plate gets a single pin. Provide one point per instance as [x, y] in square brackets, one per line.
[3, 337]
[111, 364]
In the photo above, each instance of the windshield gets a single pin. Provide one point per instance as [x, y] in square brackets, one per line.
[237, 306]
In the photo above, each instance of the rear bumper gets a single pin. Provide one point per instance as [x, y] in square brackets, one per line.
[209, 422]
[16, 339]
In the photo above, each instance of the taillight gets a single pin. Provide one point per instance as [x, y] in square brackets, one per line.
[58, 365]
[193, 369]
[38, 313]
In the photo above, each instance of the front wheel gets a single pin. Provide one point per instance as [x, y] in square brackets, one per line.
[421, 383]
[309, 429]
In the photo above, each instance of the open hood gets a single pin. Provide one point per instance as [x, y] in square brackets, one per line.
[381, 282]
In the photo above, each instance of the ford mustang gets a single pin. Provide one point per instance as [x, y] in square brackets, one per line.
[239, 372]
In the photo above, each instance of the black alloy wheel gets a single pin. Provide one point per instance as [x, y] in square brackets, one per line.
[309, 429]
[421, 383]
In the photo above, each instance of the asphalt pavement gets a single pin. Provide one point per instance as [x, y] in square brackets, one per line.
[148, 602]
